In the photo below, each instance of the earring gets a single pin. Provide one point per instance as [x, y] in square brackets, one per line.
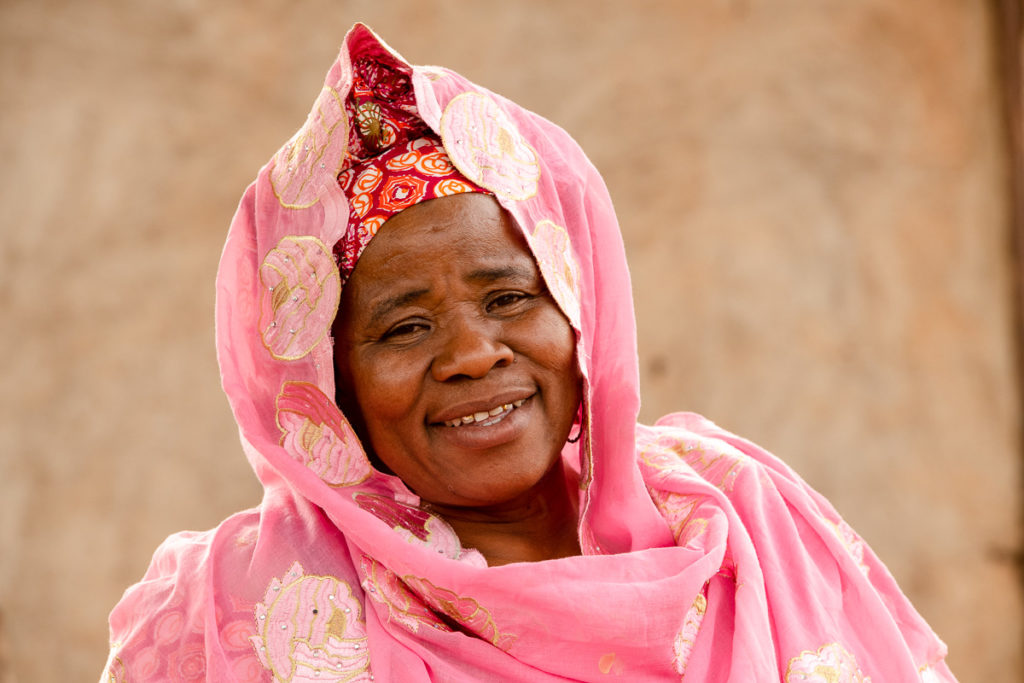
[574, 439]
[579, 416]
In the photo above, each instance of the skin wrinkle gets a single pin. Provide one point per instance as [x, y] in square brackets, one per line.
[446, 308]
[384, 308]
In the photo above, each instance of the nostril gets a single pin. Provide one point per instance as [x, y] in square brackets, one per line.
[471, 357]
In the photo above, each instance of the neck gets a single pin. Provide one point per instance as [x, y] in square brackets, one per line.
[540, 525]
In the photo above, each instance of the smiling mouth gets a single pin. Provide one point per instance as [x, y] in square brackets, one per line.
[485, 418]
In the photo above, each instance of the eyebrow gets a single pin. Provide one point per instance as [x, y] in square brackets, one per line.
[511, 271]
[383, 308]
[481, 275]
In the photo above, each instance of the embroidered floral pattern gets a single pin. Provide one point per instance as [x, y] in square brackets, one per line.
[415, 525]
[311, 628]
[236, 637]
[718, 465]
[147, 664]
[315, 433]
[116, 672]
[172, 645]
[831, 663]
[687, 635]
[465, 611]
[188, 662]
[486, 147]
[403, 606]
[313, 156]
[301, 290]
[679, 511]
[168, 626]
[852, 542]
[553, 251]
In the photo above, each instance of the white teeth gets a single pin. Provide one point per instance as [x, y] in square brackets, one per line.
[484, 414]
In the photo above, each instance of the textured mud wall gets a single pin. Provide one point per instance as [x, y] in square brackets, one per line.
[813, 199]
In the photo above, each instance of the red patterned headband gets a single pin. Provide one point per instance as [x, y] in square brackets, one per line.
[406, 173]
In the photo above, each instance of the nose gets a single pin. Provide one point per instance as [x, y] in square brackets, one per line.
[470, 349]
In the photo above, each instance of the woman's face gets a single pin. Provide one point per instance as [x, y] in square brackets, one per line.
[458, 361]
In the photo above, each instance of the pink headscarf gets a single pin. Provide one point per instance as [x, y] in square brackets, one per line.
[703, 555]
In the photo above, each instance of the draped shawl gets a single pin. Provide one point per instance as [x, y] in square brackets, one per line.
[704, 557]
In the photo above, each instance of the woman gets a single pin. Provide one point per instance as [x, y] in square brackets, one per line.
[456, 488]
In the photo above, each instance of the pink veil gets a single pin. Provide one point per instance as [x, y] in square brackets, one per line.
[704, 556]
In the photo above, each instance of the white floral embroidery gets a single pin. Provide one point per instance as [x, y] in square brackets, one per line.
[683, 645]
[311, 628]
[831, 663]
[313, 156]
[854, 545]
[301, 290]
[552, 249]
[315, 433]
[486, 147]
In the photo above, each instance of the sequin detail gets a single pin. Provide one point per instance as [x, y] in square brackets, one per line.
[485, 145]
[311, 627]
[300, 293]
[312, 158]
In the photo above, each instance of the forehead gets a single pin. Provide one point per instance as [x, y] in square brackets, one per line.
[461, 234]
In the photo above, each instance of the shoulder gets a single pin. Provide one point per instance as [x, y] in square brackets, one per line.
[226, 586]
[686, 454]
[690, 442]
[158, 628]
[717, 489]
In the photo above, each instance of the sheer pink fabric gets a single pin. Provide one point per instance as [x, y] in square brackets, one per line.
[704, 556]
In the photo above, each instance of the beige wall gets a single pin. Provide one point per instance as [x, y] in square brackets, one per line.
[812, 195]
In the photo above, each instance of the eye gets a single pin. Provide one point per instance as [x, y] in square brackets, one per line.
[407, 329]
[506, 300]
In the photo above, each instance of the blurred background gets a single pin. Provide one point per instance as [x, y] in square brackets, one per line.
[818, 204]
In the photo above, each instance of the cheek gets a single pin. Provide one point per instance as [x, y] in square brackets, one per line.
[569, 370]
[385, 394]
[551, 343]
[386, 387]
[556, 345]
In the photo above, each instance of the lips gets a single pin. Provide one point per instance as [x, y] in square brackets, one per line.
[477, 412]
[493, 422]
